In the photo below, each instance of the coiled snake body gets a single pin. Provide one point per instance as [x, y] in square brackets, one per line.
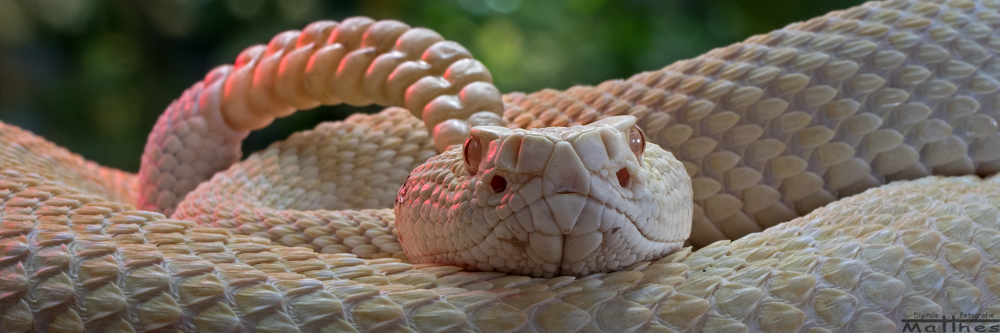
[768, 130]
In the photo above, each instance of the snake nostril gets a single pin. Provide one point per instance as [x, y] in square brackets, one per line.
[498, 183]
[623, 177]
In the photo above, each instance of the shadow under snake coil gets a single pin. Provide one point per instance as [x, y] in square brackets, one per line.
[299, 237]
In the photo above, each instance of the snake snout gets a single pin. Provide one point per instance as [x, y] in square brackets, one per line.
[566, 209]
[565, 172]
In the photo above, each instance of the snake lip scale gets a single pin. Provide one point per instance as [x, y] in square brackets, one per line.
[825, 170]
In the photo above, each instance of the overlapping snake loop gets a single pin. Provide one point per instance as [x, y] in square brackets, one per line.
[769, 129]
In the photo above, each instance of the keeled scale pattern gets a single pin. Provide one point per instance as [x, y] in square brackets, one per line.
[301, 191]
[927, 246]
[359, 61]
[22, 150]
[72, 262]
[783, 123]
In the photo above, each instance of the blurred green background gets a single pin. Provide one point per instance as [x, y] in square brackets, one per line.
[93, 75]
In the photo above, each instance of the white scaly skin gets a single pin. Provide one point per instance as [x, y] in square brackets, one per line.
[785, 122]
[768, 129]
[553, 201]
[74, 262]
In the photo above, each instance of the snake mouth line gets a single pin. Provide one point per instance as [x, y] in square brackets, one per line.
[523, 243]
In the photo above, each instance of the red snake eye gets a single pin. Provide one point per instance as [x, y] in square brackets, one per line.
[637, 141]
[472, 153]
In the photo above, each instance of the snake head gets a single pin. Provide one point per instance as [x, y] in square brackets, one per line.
[541, 202]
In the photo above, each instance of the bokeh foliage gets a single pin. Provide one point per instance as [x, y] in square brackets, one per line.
[93, 75]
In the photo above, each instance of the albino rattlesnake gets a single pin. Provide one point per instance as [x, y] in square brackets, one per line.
[769, 129]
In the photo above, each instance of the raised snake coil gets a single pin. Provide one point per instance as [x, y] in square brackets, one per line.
[358, 62]
[906, 86]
